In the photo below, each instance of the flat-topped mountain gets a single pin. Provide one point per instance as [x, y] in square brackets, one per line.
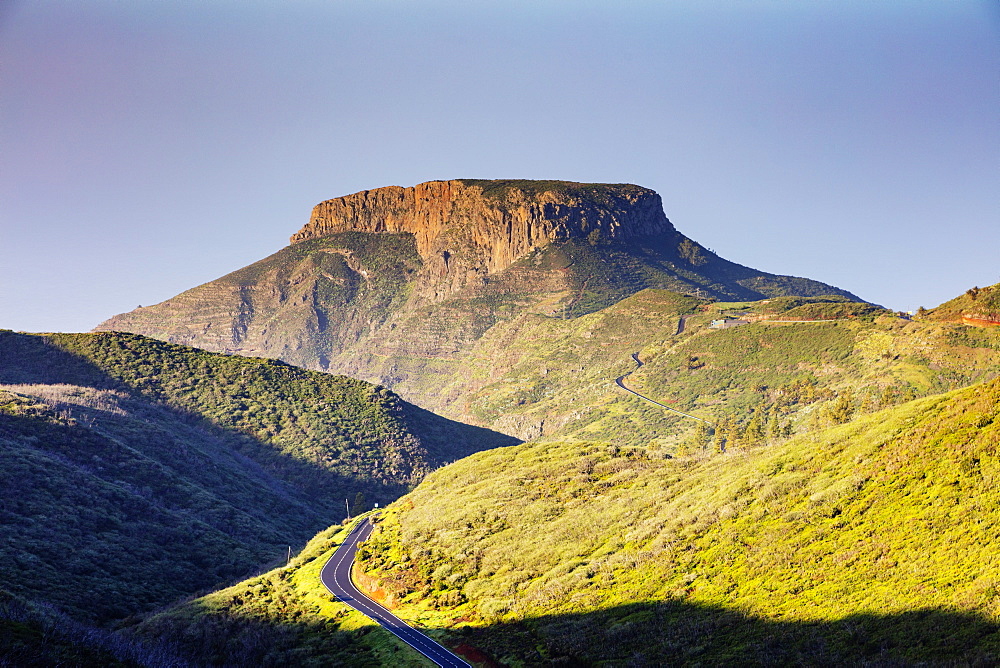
[399, 285]
[467, 230]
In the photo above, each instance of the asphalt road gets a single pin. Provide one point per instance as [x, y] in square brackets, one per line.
[620, 382]
[336, 577]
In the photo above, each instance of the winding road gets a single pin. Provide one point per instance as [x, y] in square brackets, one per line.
[336, 577]
[620, 382]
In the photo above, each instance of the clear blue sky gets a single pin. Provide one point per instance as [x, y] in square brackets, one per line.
[147, 147]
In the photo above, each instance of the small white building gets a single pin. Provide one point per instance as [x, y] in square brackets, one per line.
[726, 323]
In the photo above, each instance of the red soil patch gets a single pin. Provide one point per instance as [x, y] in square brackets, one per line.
[474, 656]
[981, 322]
[366, 585]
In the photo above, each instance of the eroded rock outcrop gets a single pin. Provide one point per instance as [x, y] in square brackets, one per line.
[467, 229]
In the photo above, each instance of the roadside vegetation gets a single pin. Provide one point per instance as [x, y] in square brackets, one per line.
[284, 617]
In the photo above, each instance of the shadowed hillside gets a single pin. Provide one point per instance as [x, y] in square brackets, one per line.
[135, 472]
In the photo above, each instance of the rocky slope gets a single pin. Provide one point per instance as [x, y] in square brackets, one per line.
[466, 230]
[399, 285]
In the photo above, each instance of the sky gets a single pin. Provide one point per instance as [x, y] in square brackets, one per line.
[147, 147]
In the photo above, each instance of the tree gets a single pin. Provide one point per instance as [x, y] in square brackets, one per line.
[775, 429]
[755, 429]
[842, 409]
[722, 429]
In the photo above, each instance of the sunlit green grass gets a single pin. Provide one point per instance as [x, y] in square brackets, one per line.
[889, 514]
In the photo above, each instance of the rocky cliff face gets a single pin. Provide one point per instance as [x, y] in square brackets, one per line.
[466, 230]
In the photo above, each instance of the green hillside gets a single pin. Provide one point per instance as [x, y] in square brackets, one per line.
[801, 363]
[977, 303]
[874, 541]
[136, 472]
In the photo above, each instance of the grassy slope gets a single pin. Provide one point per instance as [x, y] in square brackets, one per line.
[281, 618]
[983, 303]
[136, 472]
[542, 375]
[875, 540]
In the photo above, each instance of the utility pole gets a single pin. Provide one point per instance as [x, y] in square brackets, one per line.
[288, 559]
[348, 503]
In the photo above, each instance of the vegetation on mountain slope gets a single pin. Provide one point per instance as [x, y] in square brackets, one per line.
[531, 369]
[37, 636]
[544, 376]
[136, 472]
[870, 541]
[977, 304]
[305, 304]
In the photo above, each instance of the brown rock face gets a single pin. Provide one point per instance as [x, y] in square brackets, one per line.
[465, 230]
